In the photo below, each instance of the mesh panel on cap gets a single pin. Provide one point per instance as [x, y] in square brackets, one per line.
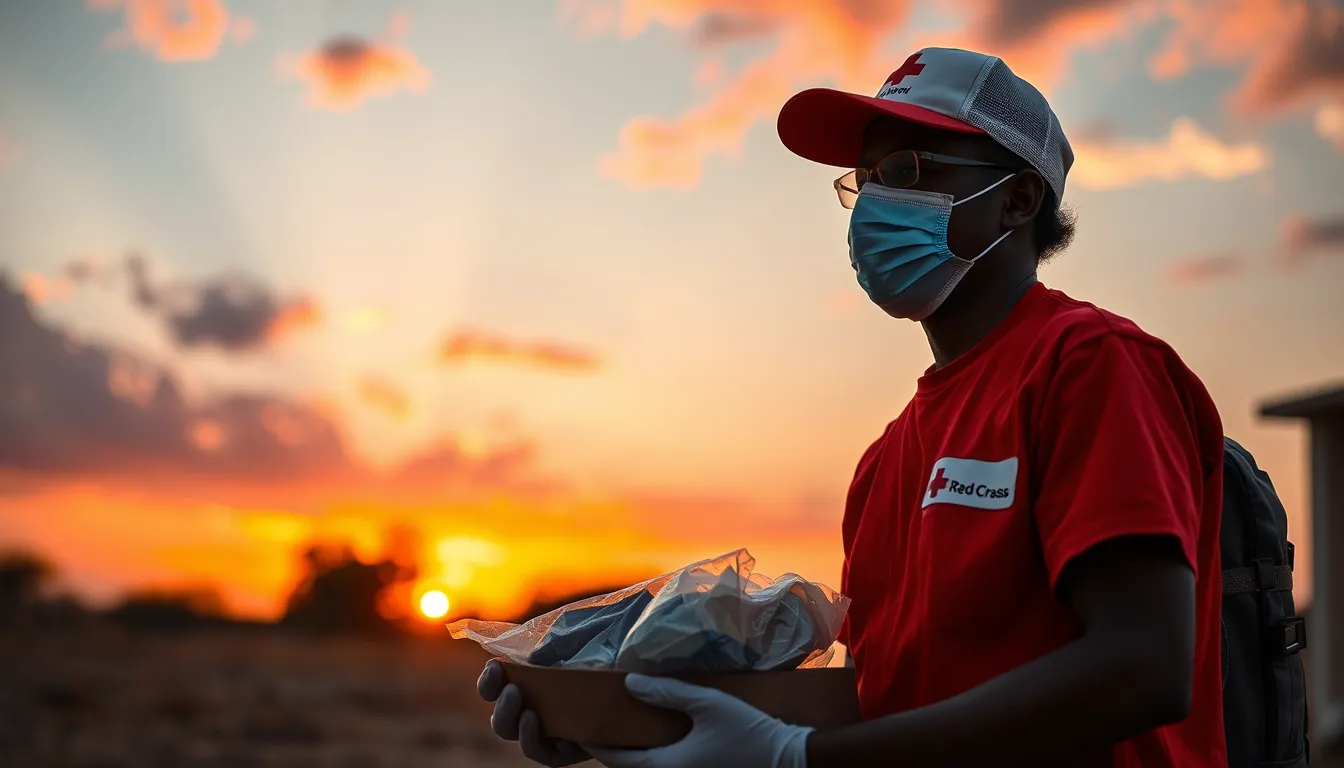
[1017, 116]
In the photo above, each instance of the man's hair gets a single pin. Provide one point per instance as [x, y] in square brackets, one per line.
[1055, 224]
[1053, 229]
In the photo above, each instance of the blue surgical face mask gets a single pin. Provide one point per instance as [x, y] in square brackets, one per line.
[898, 247]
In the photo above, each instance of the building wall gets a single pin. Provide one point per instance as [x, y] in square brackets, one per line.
[1327, 615]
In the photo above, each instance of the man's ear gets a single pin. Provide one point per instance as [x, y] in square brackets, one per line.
[1025, 194]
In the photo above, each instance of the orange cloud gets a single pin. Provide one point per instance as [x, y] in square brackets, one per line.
[1187, 150]
[1036, 37]
[811, 41]
[1291, 49]
[111, 469]
[1329, 123]
[841, 41]
[71, 409]
[298, 314]
[1305, 62]
[1207, 268]
[464, 347]
[172, 30]
[347, 71]
[40, 289]
[385, 396]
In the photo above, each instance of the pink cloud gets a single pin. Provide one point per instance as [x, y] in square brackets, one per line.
[841, 41]
[1290, 49]
[172, 30]
[1036, 37]
[41, 289]
[399, 24]
[838, 39]
[243, 29]
[1293, 49]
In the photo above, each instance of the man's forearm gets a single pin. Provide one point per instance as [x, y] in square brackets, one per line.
[1079, 698]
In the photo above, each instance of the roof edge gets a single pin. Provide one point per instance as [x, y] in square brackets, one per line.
[1324, 401]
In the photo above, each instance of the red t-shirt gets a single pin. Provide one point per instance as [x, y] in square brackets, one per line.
[1065, 427]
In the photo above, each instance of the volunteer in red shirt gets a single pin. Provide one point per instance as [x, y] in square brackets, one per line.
[1032, 546]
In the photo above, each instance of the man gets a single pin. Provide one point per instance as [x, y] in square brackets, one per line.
[1032, 545]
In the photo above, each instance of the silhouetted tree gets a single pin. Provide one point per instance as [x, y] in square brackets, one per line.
[23, 575]
[339, 593]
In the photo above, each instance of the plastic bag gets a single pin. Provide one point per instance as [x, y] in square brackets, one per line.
[712, 616]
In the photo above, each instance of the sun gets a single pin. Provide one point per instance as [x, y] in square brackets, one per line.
[434, 604]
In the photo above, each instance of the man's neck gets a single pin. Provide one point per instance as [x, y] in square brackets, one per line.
[953, 334]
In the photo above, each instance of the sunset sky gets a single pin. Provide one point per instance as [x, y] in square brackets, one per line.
[537, 278]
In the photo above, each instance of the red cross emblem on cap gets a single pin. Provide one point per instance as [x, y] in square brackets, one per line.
[910, 68]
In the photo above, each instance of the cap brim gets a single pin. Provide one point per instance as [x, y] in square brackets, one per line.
[826, 126]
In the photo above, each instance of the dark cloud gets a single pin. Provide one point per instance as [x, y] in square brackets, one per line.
[1304, 239]
[1011, 22]
[232, 312]
[1306, 63]
[73, 408]
[1206, 268]
[67, 406]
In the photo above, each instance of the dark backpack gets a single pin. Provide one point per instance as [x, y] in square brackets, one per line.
[1264, 693]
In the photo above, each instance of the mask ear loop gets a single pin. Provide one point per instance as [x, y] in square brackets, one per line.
[991, 245]
[977, 194]
[983, 191]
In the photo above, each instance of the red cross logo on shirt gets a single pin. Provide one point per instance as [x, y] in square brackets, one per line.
[938, 483]
[910, 68]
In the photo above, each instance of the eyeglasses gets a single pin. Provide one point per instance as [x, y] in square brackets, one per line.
[898, 170]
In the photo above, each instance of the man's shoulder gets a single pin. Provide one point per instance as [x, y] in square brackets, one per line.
[1095, 334]
[1071, 324]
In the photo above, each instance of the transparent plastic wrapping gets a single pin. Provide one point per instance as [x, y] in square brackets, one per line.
[712, 616]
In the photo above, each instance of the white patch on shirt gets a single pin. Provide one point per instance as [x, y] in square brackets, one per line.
[972, 483]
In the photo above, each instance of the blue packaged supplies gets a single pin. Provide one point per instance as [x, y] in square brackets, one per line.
[713, 616]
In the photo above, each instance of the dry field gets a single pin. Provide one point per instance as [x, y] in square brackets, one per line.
[102, 697]
[98, 697]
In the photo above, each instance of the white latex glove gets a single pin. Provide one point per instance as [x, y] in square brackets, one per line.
[725, 732]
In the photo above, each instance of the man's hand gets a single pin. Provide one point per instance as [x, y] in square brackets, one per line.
[725, 732]
[510, 721]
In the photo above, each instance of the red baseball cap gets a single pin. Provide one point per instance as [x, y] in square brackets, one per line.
[945, 88]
